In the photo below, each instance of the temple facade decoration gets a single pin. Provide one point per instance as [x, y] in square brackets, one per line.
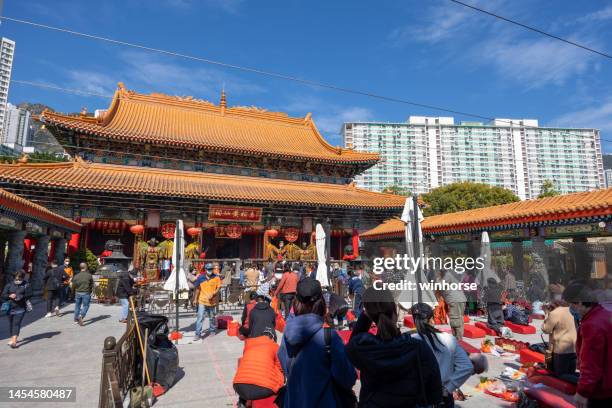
[30, 235]
[232, 173]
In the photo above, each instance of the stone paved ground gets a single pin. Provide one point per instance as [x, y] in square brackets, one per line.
[55, 352]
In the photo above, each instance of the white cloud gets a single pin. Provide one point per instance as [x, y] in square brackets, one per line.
[163, 74]
[527, 59]
[534, 63]
[599, 15]
[443, 22]
[328, 117]
[228, 6]
[598, 117]
[90, 81]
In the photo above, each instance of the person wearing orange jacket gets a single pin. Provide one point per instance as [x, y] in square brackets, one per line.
[207, 295]
[259, 373]
[286, 288]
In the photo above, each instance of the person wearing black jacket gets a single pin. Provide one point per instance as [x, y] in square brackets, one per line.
[493, 298]
[17, 293]
[262, 319]
[396, 369]
[125, 289]
[337, 307]
[54, 283]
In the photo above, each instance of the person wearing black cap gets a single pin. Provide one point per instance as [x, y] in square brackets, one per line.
[396, 370]
[318, 372]
[454, 363]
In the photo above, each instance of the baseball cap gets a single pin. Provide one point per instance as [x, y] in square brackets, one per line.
[309, 290]
[208, 266]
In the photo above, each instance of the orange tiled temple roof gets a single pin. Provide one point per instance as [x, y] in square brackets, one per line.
[197, 124]
[570, 206]
[94, 177]
[26, 208]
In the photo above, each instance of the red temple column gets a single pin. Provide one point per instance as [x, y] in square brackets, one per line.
[27, 253]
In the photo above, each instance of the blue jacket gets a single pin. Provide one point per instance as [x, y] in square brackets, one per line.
[356, 285]
[307, 365]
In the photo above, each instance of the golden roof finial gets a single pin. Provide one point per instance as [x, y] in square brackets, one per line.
[223, 103]
[23, 159]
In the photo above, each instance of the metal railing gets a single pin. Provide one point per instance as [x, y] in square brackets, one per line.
[119, 360]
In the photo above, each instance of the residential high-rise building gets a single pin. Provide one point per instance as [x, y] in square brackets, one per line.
[608, 177]
[7, 51]
[16, 127]
[427, 152]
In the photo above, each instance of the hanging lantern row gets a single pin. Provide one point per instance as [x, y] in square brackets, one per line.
[105, 224]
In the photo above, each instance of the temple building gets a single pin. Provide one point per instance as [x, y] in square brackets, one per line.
[249, 183]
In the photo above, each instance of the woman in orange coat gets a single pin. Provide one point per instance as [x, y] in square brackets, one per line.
[259, 373]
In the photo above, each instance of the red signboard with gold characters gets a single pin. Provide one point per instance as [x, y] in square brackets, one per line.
[231, 213]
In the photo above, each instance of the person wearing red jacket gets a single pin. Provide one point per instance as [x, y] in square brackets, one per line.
[593, 346]
[286, 288]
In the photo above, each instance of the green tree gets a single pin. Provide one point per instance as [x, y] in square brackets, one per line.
[548, 189]
[465, 196]
[397, 190]
[45, 157]
[84, 255]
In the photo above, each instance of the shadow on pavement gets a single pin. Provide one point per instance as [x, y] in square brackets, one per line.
[36, 337]
[95, 319]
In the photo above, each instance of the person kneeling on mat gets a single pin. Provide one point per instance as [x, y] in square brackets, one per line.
[259, 373]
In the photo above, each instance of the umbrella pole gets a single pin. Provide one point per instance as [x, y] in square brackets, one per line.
[176, 287]
[415, 243]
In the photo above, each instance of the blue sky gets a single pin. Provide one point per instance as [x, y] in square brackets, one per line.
[433, 52]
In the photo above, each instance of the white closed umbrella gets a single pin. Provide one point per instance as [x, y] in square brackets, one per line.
[486, 271]
[321, 256]
[178, 262]
[412, 217]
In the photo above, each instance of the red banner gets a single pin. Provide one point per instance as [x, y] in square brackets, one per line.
[230, 213]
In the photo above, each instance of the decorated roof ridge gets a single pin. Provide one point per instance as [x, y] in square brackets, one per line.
[27, 208]
[86, 176]
[574, 205]
[140, 117]
[78, 162]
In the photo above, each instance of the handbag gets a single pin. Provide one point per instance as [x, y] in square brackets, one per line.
[5, 308]
[344, 398]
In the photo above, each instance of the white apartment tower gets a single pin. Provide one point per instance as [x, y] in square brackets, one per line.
[16, 128]
[7, 51]
[517, 154]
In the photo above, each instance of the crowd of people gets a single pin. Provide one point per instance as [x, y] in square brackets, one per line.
[60, 285]
[425, 367]
[396, 368]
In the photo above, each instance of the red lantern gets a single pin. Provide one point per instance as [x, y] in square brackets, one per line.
[272, 233]
[292, 234]
[98, 225]
[137, 229]
[194, 231]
